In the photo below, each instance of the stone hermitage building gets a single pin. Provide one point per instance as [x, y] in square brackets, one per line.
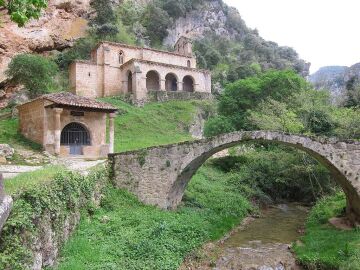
[116, 69]
[66, 124]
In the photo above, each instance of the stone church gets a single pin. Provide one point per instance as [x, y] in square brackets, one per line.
[116, 69]
[69, 125]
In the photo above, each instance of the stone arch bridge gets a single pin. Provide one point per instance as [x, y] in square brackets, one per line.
[159, 175]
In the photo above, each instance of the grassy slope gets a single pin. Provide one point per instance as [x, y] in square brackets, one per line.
[29, 179]
[124, 234]
[9, 135]
[324, 246]
[155, 124]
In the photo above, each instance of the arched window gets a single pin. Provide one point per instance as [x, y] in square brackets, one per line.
[171, 82]
[189, 63]
[188, 84]
[121, 57]
[130, 82]
[152, 81]
[75, 134]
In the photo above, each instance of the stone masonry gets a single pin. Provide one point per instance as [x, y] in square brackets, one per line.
[116, 69]
[159, 175]
[5, 204]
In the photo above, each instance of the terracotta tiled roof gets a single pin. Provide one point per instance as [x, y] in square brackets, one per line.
[69, 99]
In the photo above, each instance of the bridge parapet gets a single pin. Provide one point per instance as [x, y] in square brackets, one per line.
[159, 175]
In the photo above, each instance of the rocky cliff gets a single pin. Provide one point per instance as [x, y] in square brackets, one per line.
[64, 21]
[60, 24]
[335, 79]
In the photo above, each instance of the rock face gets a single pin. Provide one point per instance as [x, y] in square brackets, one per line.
[210, 18]
[335, 79]
[6, 151]
[331, 78]
[61, 23]
[214, 17]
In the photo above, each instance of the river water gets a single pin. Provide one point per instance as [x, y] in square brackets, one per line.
[264, 242]
[258, 244]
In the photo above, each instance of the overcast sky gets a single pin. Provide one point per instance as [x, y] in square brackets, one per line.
[323, 32]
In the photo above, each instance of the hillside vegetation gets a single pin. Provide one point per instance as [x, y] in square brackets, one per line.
[155, 123]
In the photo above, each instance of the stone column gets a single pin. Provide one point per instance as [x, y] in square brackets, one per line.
[111, 132]
[162, 85]
[180, 86]
[57, 130]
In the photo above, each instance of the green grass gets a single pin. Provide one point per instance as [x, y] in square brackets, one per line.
[324, 246]
[125, 234]
[9, 134]
[30, 179]
[154, 124]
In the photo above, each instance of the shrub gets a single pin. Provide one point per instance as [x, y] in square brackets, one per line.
[217, 125]
[22, 11]
[45, 205]
[35, 72]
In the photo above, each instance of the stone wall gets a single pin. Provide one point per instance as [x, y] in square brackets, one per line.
[163, 96]
[43, 230]
[107, 53]
[159, 175]
[31, 121]
[5, 204]
[107, 74]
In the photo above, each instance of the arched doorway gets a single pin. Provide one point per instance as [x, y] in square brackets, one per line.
[75, 135]
[171, 82]
[130, 88]
[188, 84]
[152, 81]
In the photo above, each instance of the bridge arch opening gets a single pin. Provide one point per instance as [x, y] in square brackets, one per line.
[192, 164]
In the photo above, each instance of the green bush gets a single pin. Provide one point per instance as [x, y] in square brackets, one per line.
[48, 203]
[22, 11]
[156, 21]
[35, 72]
[217, 125]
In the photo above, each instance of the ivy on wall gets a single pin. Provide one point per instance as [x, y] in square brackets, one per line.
[47, 206]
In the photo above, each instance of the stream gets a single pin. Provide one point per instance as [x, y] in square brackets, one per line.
[259, 243]
[264, 242]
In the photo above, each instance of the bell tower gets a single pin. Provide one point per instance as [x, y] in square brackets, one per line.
[184, 46]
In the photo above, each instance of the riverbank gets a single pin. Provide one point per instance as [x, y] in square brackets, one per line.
[325, 247]
[258, 243]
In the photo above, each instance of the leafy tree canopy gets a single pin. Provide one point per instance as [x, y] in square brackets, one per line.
[35, 72]
[246, 94]
[21, 11]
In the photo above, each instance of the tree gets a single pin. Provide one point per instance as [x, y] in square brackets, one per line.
[244, 95]
[104, 23]
[156, 21]
[217, 125]
[352, 93]
[35, 72]
[274, 115]
[21, 11]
